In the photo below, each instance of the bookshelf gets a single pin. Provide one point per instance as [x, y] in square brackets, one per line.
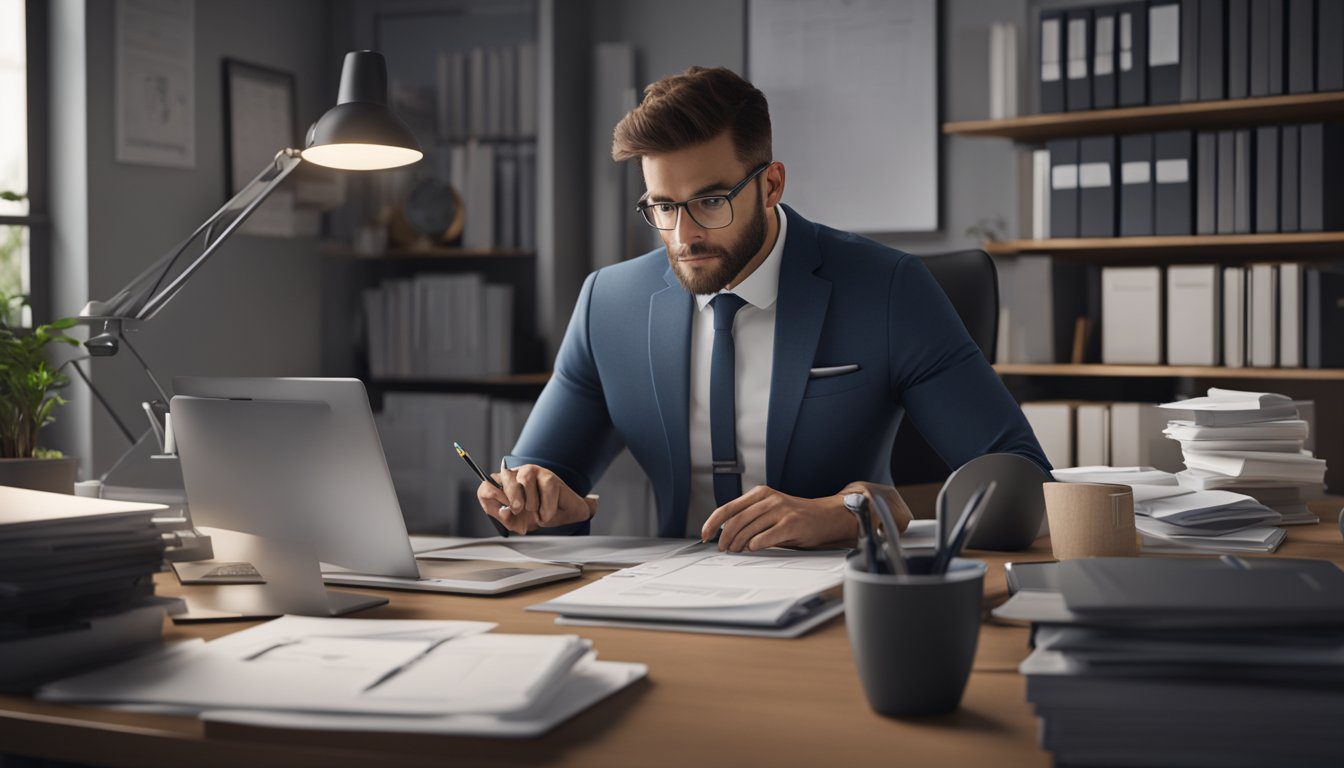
[1095, 381]
[435, 253]
[518, 386]
[1228, 113]
[1093, 370]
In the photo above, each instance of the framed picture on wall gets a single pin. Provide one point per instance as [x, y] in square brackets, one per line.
[259, 120]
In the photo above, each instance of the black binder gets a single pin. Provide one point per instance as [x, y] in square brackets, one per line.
[1278, 47]
[1321, 195]
[1330, 46]
[1323, 297]
[1206, 189]
[1136, 185]
[1290, 162]
[1104, 72]
[1078, 60]
[1238, 49]
[1258, 54]
[1132, 55]
[1267, 178]
[1212, 50]
[1301, 46]
[1173, 174]
[1165, 47]
[1050, 59]
[1096, 186]
[1189, 27]
[1227, 156]
[1243, 181]
[1063, 187]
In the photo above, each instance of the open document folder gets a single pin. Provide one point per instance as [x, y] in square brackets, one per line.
[340, 666]
[773, 588]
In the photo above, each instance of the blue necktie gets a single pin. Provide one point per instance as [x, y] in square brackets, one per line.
[722, 401]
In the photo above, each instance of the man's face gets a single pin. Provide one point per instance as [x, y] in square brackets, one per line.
[707, 260]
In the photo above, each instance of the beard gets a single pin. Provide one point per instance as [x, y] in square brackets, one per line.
[731, 258]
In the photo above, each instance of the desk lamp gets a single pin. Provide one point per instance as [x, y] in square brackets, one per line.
[360, 133]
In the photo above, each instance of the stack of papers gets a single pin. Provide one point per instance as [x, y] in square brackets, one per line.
[1170, 517]
[1252, 443]
[772, 593]
[423, 676]
[76, 583]
[1207, 664]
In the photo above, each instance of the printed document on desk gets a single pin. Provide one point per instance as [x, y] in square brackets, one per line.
[340, 666]
[589, 551]
[703, 585]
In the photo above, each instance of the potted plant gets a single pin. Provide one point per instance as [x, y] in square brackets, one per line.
[29, 393]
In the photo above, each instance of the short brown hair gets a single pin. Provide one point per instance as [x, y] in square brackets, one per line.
[691, 108]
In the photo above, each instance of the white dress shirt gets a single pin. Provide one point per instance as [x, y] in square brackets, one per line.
[754, 345]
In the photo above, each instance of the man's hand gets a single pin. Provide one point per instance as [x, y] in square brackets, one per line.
[764, 517]
[533, 497]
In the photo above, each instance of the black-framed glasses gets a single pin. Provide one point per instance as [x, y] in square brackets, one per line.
[709, 211]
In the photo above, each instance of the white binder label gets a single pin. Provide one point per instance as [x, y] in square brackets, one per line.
[1064, 177]
[1077, 49]
[1093, 175]
[1103, 62]
[1172, 171]
[1136, 172]
[1164, 35]
[1049, 50]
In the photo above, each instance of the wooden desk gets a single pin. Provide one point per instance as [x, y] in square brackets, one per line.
[707, 700]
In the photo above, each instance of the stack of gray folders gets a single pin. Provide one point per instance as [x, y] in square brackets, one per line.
[1182, 661]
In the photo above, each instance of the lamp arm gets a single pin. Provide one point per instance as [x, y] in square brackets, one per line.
[258, 189]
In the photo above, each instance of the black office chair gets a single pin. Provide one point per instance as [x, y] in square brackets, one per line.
[971, 282]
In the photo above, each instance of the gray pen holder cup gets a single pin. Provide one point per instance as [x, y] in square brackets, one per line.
[914, 637]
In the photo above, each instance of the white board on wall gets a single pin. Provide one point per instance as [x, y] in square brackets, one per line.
[853, 92]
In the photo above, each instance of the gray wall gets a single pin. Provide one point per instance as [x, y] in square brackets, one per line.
[978, 175]
[253, 310]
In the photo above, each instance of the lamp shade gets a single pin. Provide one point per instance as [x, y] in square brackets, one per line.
[360, 133]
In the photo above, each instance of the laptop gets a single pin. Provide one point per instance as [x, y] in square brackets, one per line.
[298, 460]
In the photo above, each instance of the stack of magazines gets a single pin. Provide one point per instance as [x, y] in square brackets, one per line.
[1185, 661]
[76, 583]
[1252, 443]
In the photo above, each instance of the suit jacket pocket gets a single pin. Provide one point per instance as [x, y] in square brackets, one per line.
[830, 385]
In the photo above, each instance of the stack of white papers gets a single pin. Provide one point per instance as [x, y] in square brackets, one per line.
[774, 592]
[313, 668]
[1169, 516]
[1252, 443]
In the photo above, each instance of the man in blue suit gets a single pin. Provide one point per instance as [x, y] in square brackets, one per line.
[756, 350]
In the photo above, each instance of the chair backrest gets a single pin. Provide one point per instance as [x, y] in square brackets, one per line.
[971, 283]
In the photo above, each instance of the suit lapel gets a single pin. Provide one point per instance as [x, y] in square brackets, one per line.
[670, 365]
[800, 312]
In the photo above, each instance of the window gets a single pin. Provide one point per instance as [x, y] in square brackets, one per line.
[21, 220]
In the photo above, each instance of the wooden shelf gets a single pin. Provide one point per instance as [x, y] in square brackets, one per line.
[338, 250]
[518, 383]
[1275, 245]
[1167, 371]
[1300, 107]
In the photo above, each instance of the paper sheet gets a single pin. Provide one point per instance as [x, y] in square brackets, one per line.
[594, 551]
